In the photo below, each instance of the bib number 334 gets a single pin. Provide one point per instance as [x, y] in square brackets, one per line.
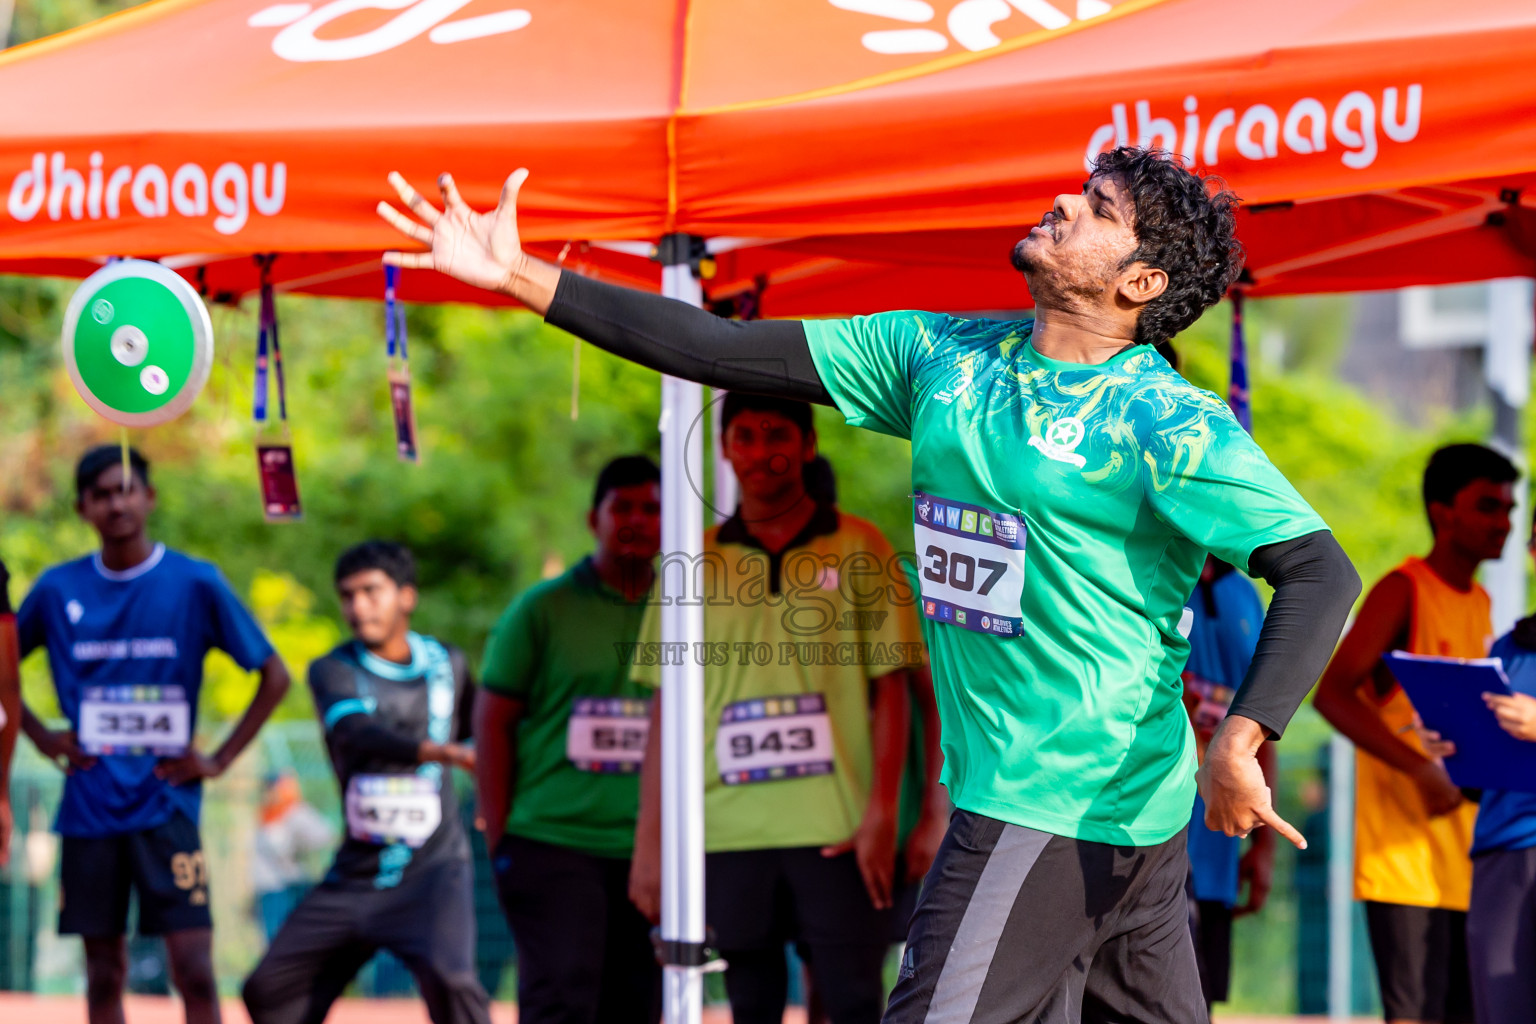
[135, 720]
[970, 565]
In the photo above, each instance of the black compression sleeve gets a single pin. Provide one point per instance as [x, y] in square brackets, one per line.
[362, 738]
[762, 357]
[1315, 587]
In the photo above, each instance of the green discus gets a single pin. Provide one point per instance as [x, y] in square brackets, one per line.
[138, 343]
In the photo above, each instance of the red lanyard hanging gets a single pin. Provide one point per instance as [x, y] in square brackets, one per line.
[274, 455]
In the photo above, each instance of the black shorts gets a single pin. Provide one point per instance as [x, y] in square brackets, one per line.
[1213, 946]
[427, 920]
[1015, 924]
[1501, 935]
[1421, 962]
[755, 899]
[164, 864]
[584, 952]
[758, 900]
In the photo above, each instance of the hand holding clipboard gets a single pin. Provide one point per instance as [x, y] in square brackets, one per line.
[1449, 696]
[1516, 714]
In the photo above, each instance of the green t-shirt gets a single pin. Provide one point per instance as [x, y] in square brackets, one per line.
[792, 644]
[563, 648]
[1062, 515]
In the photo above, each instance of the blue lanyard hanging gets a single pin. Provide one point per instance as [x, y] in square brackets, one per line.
[394, 317]
[399, 375]
[1237, 385]
[267, 341]
[274, 456]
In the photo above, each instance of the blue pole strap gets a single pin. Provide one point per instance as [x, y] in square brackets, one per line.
[394, 316]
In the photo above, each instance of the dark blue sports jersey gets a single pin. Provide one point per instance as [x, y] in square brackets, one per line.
[399, 814]
[1225, 630]
[114, 638]
[1506, 818]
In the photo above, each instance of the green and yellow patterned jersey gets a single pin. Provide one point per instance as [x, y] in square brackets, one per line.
[1062, 513]
[795, 640]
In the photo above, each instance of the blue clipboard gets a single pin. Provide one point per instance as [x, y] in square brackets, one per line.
[1448, 693]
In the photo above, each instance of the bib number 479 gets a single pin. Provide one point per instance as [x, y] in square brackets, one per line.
[393, 815]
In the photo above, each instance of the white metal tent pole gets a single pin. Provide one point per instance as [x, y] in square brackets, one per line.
[1507, 370]
[682, 677]
[1341, 877]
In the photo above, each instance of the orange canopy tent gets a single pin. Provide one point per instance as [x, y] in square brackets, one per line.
[853, 154]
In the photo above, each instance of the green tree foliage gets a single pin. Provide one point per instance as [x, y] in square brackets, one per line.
[1350, 457]
[501, 494]
[499, 499]
[33, 19]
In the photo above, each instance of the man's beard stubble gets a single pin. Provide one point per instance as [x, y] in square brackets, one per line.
[1056, 290]
[1019, 260]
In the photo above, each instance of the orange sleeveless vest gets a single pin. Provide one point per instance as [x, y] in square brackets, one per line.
[1402, 855]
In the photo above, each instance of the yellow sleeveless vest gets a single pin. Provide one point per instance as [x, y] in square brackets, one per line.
[1402, 855]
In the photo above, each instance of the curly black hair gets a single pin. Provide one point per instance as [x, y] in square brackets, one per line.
[1185, 227]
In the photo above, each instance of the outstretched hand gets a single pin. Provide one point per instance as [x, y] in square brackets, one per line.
[1237, 799]
[480, 249]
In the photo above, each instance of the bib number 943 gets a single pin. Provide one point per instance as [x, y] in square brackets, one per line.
[771, 738]
[774, 741]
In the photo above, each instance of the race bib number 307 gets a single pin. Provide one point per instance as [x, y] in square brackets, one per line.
[135, 720]
[607, 734]
[970, 565]
[774, 738]
[393, 808]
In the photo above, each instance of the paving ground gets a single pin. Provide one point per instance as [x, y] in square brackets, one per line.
[25, 1009]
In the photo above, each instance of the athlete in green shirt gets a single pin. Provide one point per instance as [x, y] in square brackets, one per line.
[560, 732]
[1068, 487]
[808, 620]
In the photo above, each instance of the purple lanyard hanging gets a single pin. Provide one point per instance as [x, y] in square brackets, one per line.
[266, 337]
[394, 316]
[1237, 386]
[399, 376]
[274, 457]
